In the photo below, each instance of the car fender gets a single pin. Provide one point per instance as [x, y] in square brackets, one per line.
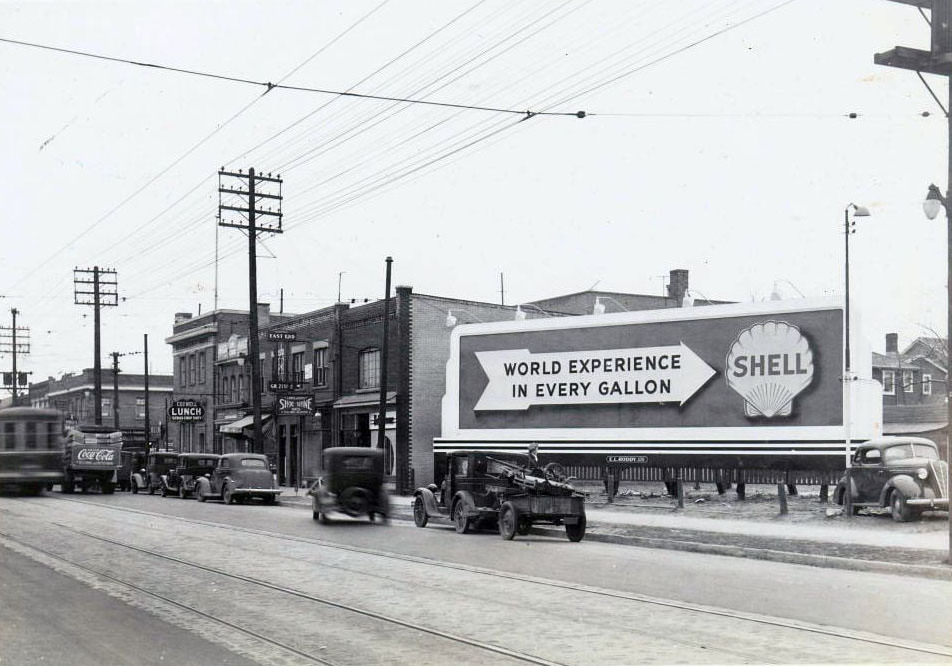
[429, 501]
[138, 480]
[466, 498]
[905, 483]
[839, 493]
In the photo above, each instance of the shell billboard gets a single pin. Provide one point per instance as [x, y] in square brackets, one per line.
[740, 385]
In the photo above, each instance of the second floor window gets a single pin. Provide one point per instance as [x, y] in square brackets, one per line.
[908, 381]
[107, 406]
[926, 384]
[889, 382]
[368, 369]
[297, 367]
[320, 367]
[191, 369]
[201, 368]
[183, 378]
[140, 408]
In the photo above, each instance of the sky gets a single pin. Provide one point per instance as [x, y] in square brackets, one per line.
[717, 139]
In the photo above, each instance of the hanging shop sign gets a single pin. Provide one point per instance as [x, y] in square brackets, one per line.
[300, 405]
[186, 411]
[283, 386]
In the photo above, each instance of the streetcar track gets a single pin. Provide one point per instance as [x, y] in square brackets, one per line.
[835, 632]
[169, 600]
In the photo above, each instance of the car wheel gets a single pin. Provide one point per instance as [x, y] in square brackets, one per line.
[419, 512]
[508, 521]
[460, 521]
[577, 531]
[901, 512]
[227, 495]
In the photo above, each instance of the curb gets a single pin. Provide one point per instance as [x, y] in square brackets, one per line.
[787, 557]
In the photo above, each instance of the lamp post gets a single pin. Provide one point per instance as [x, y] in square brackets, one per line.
[934, 201]
[849, 228]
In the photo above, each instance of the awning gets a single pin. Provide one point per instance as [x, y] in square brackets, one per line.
[235, 427]
[364, 400]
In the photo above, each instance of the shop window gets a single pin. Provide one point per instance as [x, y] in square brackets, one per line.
[889, 382]
[908, 381]
[368, 364]
[926, 384]
[320, 367]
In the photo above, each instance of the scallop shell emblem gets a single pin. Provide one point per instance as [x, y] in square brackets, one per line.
[769, 364]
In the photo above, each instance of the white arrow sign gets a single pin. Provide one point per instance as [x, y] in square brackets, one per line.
[519, 378]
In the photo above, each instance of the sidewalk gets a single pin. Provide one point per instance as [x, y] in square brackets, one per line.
[865, 543]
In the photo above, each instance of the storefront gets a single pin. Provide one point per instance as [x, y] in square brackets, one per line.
[359, 425]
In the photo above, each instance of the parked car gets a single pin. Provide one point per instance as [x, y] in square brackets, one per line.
[352, 483]
[182, 480]
[903, 473]
[237, 477]
[157, 464]
[507, 491]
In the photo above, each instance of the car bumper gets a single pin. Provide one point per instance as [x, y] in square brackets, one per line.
[929, 502]
[255, 491]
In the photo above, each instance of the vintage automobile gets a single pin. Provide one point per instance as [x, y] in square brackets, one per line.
[351, 483]
[503, 490]
[902, 473]
[183, 478]
[157, 464]
[238, 477]
[132, 461]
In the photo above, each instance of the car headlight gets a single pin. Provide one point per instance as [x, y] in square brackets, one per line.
[922, 473]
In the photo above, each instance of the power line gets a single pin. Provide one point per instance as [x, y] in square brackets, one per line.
[269, 86]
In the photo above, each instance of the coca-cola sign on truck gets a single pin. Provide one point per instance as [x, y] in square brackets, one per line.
[95, 456]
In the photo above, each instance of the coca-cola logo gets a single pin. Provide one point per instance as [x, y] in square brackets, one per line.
[96, 455]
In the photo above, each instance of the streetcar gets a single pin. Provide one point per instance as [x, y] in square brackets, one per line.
[31, 449]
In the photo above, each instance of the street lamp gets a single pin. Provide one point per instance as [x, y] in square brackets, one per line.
[522, 314]
[599, 307]
[849, 227]
[935, 200]
[451, 318]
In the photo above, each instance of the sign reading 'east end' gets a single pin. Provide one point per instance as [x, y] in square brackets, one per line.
[519, 378]
[186, 411]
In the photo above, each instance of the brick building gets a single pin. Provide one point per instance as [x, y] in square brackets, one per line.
[73, 394]
[208, 365]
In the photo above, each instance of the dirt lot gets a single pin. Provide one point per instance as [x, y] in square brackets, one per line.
[761, 503]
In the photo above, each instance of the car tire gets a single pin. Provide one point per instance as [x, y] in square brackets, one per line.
[420, 518]
[576, 532]
[900, 510]
[508, 521]
[460, 521]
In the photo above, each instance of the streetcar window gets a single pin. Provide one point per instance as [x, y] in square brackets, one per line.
[31, 435]
[9, 439]
[52, 435]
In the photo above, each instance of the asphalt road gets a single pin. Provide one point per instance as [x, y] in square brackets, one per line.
[637, 604]
[49, 618]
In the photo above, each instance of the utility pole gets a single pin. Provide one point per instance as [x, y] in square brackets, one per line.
[382, 411]
[115, 390]
[238, 207]
[502, 290]
[104, 293]
[937, 60]
[10, 343]
[148, 428]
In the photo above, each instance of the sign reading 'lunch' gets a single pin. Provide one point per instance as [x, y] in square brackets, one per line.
[518, 378]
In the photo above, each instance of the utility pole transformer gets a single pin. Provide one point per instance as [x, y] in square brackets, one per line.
[937, 60]
[15, 340]
[104, 293]
[243, 198]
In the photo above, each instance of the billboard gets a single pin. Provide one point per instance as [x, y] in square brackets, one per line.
[741, 384]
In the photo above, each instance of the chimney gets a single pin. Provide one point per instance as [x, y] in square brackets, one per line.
[892, 343]
[264, 315]
[182, 316]
[677, 285]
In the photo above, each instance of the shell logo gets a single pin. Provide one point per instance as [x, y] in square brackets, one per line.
[769, 364]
